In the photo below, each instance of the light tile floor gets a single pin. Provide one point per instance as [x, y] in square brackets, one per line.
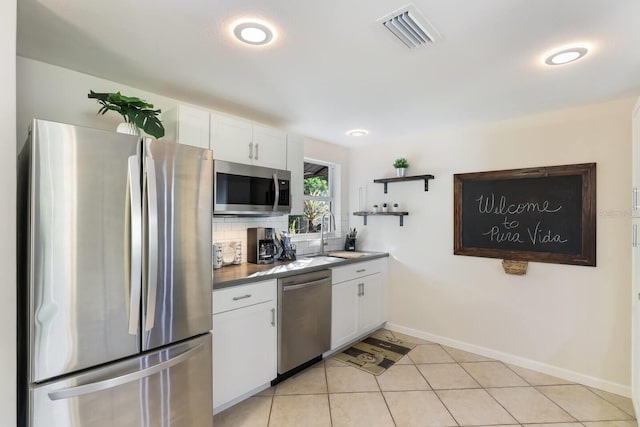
[433, 385]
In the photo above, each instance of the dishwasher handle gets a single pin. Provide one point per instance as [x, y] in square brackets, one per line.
[286, 288]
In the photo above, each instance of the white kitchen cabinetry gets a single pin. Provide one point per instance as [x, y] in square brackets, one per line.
[295, 164]
[345, 325]
[269, 147]
[357, 300]
[231, 139]
[241, 141]
[370, 308]
[244, 341]
[192, 127]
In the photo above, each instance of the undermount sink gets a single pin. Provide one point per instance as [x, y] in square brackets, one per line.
[320, 258]
[348, 254]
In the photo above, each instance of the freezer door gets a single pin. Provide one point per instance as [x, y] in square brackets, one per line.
[177, 269]
[167, 388]
[81, 248]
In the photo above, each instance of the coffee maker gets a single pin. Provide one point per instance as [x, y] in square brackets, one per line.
[261, 245]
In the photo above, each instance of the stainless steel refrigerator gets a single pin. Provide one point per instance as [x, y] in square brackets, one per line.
[114, 281]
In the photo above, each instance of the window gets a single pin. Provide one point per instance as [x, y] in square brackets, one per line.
[318, 197]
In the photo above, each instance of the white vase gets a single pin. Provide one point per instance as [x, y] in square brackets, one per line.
[401, 171]
[128, 128]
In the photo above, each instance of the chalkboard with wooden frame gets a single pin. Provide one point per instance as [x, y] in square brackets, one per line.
[544, 214]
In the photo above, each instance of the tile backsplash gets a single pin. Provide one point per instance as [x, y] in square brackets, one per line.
[229, 229]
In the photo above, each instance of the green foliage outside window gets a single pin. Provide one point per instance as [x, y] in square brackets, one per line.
[317, 186]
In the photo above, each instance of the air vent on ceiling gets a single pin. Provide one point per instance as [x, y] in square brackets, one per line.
[411, 27]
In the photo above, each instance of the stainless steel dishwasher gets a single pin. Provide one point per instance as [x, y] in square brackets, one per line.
[304, 318]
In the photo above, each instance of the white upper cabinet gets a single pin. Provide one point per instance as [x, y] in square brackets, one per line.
[231, 139]
[242, 141]
[269, 147]
[192, 126]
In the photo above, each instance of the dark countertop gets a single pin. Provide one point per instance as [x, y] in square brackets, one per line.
[242, 274]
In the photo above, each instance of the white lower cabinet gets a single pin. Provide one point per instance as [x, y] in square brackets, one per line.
[370, 309]
[244, 342]
[357, 303]
[344, 313]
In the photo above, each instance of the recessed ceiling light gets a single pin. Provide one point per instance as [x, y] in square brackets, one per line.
[358, 132]
[566, 56]
[253, 33]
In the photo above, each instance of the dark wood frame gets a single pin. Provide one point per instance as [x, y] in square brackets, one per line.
[587, 257]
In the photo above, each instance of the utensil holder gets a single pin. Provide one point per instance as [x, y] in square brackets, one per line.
[350, 244]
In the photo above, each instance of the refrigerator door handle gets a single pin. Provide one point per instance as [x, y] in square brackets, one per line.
[80, 390]
[277, 198]
[135, 243]
[152, 227]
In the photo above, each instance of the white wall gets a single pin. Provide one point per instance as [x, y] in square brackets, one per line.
[8, 212]
[567, 320]
[59, 94]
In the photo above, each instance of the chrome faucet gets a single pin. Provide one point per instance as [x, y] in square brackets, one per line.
[322, 230]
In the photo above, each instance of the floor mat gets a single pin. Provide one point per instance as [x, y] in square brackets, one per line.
[376, 353]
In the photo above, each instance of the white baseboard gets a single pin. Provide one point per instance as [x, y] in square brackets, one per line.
[239, 399]
[566, 374]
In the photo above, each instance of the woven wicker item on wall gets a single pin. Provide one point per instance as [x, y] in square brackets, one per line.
[515, 267]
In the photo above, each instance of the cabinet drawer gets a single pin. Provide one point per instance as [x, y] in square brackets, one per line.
[243, 295]
[360, 269]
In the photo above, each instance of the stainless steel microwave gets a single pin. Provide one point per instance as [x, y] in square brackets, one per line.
[250, 190]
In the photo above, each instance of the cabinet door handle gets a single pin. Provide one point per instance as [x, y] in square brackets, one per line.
[242, 297]
[634, 201]
[362, 270]
[360, 289]
[634, 236]
[257, 146]
[273, 317]
[251, 150]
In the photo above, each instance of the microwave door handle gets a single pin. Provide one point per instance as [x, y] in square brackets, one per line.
[277, 198]
[152, 227]
[135, 243]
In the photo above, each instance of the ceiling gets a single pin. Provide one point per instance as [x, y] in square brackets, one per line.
[333, 67]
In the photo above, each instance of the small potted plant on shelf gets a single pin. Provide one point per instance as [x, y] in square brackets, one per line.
[401, 166]
[385, 207]
[396, 208]
[136, 113]
[375, 208]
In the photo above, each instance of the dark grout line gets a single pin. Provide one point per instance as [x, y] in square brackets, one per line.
[604, 398]
[271, 408]
[436, 394]
[326, 380]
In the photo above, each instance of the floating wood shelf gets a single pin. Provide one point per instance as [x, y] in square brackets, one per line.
[385, 181]
[366, 214]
